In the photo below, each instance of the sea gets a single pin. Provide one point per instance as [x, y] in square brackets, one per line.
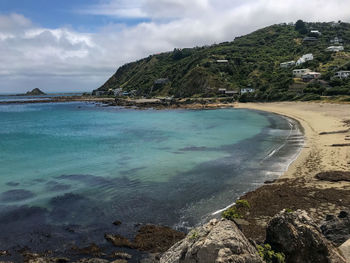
[69, 170]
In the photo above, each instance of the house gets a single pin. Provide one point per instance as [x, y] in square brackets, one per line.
[222, 61]
[222, 91]
[287, 64]
[310, 39]
[315, 32]
[342, 74]
[336, 41]
[310, 76]
[247, 90]
[298, 73]
[335, 48]
[118, 91]
[304, 58]
[161, 81]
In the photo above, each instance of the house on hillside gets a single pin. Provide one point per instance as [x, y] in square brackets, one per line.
[310, 76]
[335, 48]
[118, 92]
[309, 39]
[231, 92]
[336, 41]
[161, 81]
[287, 64]
[247, 90]
[221, 91]
[304, 58]
[298, 73]
[222, 61]
[315, 32]
[342, 74]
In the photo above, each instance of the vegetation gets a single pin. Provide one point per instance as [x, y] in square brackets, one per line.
[236, 211]
[248, 61]
[270, 256]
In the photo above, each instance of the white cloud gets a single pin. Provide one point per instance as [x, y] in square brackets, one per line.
[65, 58]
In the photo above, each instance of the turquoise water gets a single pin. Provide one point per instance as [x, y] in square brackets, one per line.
[84, 165]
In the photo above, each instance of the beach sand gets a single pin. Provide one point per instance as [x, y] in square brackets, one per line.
[299, 188]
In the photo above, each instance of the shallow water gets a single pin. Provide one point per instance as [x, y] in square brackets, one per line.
[68, 170]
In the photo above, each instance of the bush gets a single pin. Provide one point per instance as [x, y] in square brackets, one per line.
[270, 256]
[309, 97]
[237, 210]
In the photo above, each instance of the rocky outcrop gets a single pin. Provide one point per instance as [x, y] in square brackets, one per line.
[215, 242]
[337, 228]
[298, 237]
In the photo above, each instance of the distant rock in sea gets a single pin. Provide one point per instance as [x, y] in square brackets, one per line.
[35, 92]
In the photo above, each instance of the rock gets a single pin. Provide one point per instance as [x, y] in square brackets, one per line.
[337, 228]
[120, 261]
[152, 238]
[333, 176]
[299, 238]
[119, 241]
[345, 249]
[93, 260]
[92, 249]
[117, 223]
[218, 241]
[120, 255]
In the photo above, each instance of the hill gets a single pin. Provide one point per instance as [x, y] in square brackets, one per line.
[35, 92]
[251, 61]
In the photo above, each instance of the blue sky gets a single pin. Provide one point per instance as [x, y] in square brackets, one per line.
[76, 45]
[63, 13]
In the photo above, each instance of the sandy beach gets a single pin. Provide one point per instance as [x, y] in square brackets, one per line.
[327, 149]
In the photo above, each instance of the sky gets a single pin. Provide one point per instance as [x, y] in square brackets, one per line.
[76, 45]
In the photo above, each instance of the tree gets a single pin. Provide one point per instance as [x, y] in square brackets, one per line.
[300, 27]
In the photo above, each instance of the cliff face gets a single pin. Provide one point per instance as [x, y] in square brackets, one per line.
[248, 61]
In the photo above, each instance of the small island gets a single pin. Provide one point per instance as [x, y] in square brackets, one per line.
[35, 92]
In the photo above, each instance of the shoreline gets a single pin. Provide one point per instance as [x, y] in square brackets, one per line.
[326, 126]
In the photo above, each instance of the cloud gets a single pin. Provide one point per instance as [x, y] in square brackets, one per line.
[72, 60]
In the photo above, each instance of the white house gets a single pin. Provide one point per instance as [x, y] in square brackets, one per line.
[305, 58]
[287, 64]
[222, 61]
[298, 73]
[221, 90]
[342, 74]
[335, 48]
[118, 91]
[315, 32]
[247, 90]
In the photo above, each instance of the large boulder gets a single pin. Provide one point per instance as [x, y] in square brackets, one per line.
[337, 228]
[298, 237]
[215, 242]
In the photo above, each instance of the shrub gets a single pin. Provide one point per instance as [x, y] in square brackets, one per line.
[237, 210]
[270, 256]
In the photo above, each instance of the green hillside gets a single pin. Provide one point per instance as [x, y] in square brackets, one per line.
[253, 61]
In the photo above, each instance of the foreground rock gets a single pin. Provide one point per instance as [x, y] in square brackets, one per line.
[299, 238]
[337, 228]
[215, 242]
